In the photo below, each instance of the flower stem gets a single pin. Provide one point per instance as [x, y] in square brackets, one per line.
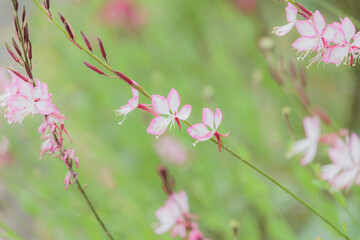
[144, 92]
[93, 210]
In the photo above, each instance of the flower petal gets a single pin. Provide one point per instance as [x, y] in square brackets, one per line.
[305, 43]
[17, 102]
[306, 29]
[218, 118]
[283, 30]
[328, 172]
[309, 155]
[336, 54]
[160, 104]
[200, 132]
[355, 148]
[184, 112]
[158, 125]
[300, 146]
[319, 22]
[348, 28]
[291, 12]
[44, 107]
[345, 179]
[312, 127]
[173, 100]
[208, 117]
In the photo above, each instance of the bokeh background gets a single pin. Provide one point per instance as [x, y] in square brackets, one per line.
[209, 51]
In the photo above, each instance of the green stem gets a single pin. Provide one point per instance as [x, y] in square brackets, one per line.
[144, 92]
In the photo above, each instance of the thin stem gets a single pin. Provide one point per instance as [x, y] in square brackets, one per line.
[144, 92]
[93, 210]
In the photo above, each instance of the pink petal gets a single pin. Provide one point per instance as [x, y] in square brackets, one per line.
[218, 118]
[348, 28]
[184, 112]
[306, 29]
[291, 12]
[44, 107]
[160, 104]
[181, 198]
[208, 117]
[319, 22]
[305, 43]
[158, 126]
[339, 155]
[179, 230]
[200, 132]
[173, 100]
[330, 34]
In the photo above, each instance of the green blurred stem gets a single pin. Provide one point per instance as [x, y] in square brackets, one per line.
[144, 92]
[9, 232]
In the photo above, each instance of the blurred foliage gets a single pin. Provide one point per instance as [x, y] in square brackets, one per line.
[208, 51]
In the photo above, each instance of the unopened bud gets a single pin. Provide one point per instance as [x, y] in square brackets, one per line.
[86, 40]
[123, 77]
[95, 69]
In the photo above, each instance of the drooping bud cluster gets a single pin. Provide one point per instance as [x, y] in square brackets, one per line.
[335, 43]
[25, 96]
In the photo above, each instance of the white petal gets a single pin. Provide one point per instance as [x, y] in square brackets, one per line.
[160, 104]
[158, 125]
[283, 30]
[355, 148]
[309, 155]
[184, 112]
[312, 127]
[300, 146]
[348, 28]
[200, 132]
[305, 43]
[291, 12]
[319, 22]
[306, 29]
[173, 100]
[208, 117]
[218, 118]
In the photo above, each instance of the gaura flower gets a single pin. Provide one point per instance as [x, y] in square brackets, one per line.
[201, 132]
[196, 234]
[49, 145]
[29, 100]
[344, 34]
[168, 107]
[309, 144]
[70, 178]
[132, 104]
[291, 12]
[345, 168]
[173, 215]
[311, 36]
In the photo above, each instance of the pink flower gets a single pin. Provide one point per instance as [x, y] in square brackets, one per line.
[169, 108]
[52, 122]
[291, 12]
[171, 150]
[342, 34]
[196, 234]
[132, 104]
[311, 36]
[28, 100]
[309, 144]
[345, 169]
[49, 145]
[70, 178]
[69, 156]
[173, 215]
[201, 132]
[123, 13]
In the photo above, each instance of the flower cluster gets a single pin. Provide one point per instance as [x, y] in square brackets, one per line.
[23, 97]
[166, 111]
[335, 43]
[344, 153]
[174, 216]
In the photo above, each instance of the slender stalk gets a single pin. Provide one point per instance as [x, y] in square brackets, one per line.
[69, 165]
[93, 210]
[144, 92]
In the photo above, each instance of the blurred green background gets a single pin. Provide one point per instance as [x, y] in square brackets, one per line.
[207, 50]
